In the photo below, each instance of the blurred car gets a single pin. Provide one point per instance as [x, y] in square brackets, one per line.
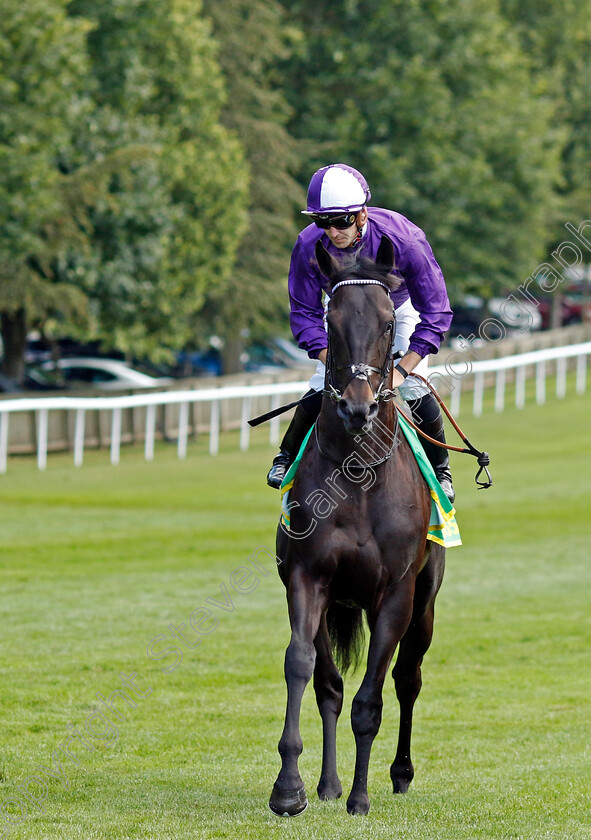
[106, 374]
[33, 380]
[8, 386]
[468, 315]
[270, 356]
[39, 349]
[199, 363]
[574, 301]
[293, 355]
[518, 317]
[274, 355]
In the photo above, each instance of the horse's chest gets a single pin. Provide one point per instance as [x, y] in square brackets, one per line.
[355, 542]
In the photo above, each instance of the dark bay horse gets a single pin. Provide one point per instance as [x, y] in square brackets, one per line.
[357, 544]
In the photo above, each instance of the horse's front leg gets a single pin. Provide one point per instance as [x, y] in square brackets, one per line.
[366, 711]
[306, 601]
[328, 685]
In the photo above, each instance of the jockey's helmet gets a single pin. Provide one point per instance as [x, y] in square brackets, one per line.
[337, 188]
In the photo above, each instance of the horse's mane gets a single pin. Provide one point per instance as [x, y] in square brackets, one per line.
[363, 268]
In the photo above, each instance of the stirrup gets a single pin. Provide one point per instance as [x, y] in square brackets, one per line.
[281, 464]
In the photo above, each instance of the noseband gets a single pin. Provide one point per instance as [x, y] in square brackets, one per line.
[360, 370]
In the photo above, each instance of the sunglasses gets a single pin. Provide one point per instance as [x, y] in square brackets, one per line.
[325, 221]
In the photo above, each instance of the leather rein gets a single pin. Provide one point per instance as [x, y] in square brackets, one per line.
[381, 394]
[362, 371]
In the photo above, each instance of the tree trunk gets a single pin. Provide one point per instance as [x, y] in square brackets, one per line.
[13, 328]
[231, 353]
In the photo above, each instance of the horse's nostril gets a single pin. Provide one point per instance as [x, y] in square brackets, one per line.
[372, 411]
[343, 407]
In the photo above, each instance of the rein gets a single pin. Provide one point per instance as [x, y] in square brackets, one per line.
[482, 457]
[362, 371]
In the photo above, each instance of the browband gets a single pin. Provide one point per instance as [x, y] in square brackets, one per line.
[360, 282]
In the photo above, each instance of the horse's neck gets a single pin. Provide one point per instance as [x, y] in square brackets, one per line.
[337, 444]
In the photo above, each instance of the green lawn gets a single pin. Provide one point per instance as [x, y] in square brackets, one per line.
[98, 561]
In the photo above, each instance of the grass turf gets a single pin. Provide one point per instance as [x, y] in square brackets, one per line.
[97, 562]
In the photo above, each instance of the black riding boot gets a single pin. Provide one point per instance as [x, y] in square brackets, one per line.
[427, 416]
[302, 421]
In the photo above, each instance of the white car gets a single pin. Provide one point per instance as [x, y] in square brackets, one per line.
[106, 374]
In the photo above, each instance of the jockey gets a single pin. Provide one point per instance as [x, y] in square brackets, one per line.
[337, 207]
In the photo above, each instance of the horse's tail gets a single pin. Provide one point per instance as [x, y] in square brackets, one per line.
[346, 631]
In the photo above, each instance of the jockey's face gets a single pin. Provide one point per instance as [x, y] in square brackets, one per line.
[345, 238]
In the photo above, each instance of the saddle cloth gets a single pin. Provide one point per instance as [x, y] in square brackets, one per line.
[443, 528]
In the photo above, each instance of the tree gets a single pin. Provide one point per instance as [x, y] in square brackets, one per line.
[112, 168]
[255, 297]
[171, 223]
[558, 38]
[43, 74]
[436, 103]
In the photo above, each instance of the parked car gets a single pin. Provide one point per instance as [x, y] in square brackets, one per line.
[518, 317]
[293, 355]
[468, 315]
[276, 354]
[33, 380]
[106, 374]
[8, 386]
[270, 356]
[575, 304]
[199, 363]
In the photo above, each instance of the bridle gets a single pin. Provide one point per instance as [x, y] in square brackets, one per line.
[360, 370]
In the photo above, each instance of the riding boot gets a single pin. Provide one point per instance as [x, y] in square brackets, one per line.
[301, 423]
[427, 416]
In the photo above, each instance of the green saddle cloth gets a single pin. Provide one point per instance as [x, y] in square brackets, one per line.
[443, 528]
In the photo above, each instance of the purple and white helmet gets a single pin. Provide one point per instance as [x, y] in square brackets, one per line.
[337, 188]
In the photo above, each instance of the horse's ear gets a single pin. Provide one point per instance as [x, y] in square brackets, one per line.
[325, 261]
[385, 255]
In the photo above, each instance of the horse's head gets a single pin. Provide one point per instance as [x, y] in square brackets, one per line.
[360, 330]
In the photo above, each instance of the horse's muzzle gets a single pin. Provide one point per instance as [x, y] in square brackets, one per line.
[357, 417]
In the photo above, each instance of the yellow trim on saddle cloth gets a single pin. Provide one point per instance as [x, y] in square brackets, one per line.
[443, 528]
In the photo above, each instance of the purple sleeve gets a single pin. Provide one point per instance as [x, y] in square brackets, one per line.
[428, 295]
[305, 298]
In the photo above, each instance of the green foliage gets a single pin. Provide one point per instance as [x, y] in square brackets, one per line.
[435, 102]
[43, 83]
[558, 39]
[165, 228]
[123, 196]
[148, 150]
[253, 38]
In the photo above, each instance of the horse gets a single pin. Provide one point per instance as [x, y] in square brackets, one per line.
[357, 545]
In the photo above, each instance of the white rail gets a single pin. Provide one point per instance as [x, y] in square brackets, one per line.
[446, 375]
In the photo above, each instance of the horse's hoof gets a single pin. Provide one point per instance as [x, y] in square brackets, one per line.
[329, 790]
[401, 778]
[358, 806]
[400, 786]
[288, 803]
